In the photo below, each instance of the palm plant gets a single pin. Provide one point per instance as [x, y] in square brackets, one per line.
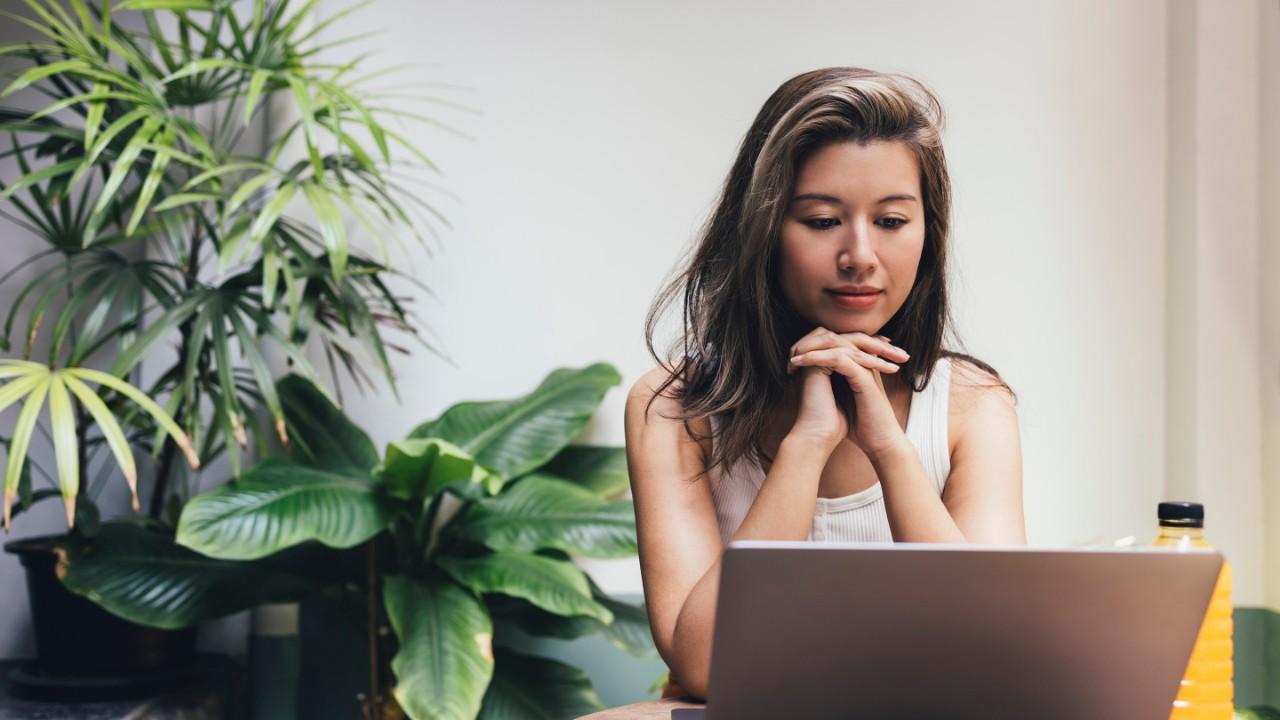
[161, 228]
[453, 588]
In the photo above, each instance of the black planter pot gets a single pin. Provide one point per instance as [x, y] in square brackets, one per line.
[76, 638]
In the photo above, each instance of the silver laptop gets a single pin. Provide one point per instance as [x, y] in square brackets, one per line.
[916, 631]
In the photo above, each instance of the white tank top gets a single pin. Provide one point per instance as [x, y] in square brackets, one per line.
[859, 517]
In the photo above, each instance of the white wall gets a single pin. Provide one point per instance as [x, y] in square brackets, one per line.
[608, 127]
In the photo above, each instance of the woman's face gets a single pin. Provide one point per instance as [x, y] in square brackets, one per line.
[854, 225]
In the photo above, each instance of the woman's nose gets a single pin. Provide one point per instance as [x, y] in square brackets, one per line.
[856, 251]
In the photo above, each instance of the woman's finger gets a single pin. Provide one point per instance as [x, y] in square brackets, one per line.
[821, 338]
[837, 357]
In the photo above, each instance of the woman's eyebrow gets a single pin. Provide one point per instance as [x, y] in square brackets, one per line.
[832, 199]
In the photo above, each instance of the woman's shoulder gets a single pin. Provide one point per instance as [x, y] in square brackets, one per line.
[975, 391]
[655, 397]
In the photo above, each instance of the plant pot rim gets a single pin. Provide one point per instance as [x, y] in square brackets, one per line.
[36, 544]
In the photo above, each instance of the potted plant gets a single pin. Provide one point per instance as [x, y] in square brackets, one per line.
[162, 230]
[470, 523]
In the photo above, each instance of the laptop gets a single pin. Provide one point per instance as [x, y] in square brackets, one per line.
[915, 631]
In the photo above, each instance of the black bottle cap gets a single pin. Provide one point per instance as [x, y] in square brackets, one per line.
[1181, 514]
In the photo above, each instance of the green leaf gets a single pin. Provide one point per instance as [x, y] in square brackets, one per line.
[148, 405]
[119, 171]
[331, 227]
[271, 212]
[445, 658]
[144, 577]
[540, 511]
[44, 173]
[602, 470]
[1256, 712]
[40, 72]
[173, 317]
[93, 119]
[320, 434]
[21, 439]
[62, 426]
[159, 161]
[256, 81]
[629, 630]
[516, 436]
[165, 5]
[261, 373]
[421, 468]
[111, 430]
[557, 586]
[277, 504]
[528, 687]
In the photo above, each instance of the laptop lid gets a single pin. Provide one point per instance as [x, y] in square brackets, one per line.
[852, 630]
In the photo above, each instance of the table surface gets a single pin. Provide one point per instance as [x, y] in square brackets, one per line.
[651, 710]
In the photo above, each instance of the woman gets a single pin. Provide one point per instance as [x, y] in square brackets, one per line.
[813, 399]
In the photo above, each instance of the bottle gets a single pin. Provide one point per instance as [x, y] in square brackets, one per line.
[1206, 692]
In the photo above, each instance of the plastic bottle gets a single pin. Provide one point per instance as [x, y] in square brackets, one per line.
[1206, 692]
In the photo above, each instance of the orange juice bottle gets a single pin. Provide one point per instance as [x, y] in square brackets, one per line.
[1206, 691]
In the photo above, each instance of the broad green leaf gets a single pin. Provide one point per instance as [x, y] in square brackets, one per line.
[529, 687]
[320, 434]
[554, 585]
[516, 436]
[144, 577]
[445, 658]
[421, 468]
[629, 630]
[540, 511]
[602, 470]
[277, 504]
[62, 425]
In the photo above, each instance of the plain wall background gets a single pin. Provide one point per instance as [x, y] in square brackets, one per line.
[605, 130]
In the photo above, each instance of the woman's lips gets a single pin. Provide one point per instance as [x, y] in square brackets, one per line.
[859, 301]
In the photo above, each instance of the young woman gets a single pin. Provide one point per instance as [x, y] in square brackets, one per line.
[813, 399]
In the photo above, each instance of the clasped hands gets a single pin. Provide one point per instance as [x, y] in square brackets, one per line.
[859, 358]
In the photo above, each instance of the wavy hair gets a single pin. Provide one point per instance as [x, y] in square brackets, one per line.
[736, 319]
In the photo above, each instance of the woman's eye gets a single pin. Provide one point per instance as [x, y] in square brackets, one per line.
[821, 223]
[898, 222]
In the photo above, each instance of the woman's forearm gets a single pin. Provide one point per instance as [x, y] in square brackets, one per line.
[911, 501]
[782, 510]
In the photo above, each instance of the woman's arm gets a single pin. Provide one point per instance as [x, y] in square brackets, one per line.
[676, 525]
[982, 501]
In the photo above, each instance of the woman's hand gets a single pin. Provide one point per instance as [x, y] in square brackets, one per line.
[858, 358]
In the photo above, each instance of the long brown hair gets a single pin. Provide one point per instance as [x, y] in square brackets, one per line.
[737, 322]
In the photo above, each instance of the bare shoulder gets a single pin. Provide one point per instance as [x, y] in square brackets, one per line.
[976, 398]
[654, 409]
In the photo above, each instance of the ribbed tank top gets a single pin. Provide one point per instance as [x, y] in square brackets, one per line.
[859, 517]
